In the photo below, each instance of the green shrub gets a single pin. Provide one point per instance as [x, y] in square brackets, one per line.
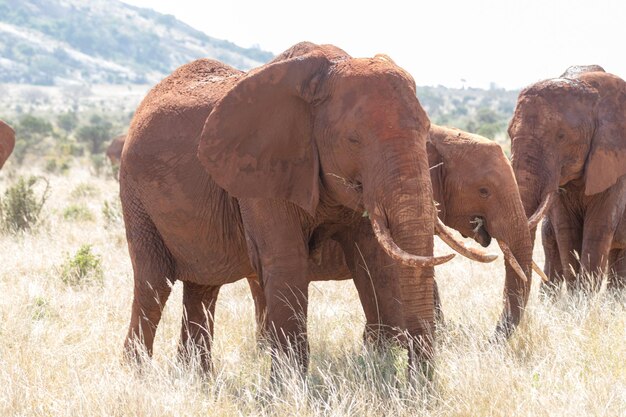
[55, 164]
[84, 190]
[112, 212]
[78, 212]
[40, 309]
[21, 206]
[84, 268]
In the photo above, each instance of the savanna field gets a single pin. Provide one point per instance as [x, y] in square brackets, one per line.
[65, 296]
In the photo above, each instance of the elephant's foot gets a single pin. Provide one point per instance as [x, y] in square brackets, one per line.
[290, 357]
[136, 354]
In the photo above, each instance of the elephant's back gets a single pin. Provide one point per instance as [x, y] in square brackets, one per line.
[160, 172]
[169, 120]
[175, 109]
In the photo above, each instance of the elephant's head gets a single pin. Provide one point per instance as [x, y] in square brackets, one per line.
[316, 125]
[474, 184]
[7, 142]
[568, 129]
[114, 150]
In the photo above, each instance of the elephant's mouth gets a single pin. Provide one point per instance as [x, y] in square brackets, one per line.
[481, 235]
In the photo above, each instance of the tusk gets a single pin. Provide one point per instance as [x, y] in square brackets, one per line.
[508, 257]
[534, 220]
[445, 233]
[539, 272]
[384, 238]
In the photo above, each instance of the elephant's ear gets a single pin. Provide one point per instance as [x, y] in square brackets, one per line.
[7, 142]
[606, 162]
[257, 142]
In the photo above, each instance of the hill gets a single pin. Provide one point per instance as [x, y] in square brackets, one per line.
[57, 42]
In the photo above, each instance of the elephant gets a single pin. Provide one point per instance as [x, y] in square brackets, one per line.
[226, 175]
[114, 150]
[476, 194]
[568, 141]
[7, 142]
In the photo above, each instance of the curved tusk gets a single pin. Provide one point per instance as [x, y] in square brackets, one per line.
[474, 254]
[508, 257]
[539, 272]
[534, 220]
[384, 238]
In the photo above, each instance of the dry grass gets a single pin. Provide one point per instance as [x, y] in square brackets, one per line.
[60, 346]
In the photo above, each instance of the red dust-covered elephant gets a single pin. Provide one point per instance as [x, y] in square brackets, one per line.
[227, 174]
[114, 150]
[568, 142]
[7, 142]
[476, 192]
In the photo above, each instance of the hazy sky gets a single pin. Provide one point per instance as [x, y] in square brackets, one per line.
[510, 43]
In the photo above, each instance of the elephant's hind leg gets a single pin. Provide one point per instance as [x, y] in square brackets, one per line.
[197, 327]
[153, 270]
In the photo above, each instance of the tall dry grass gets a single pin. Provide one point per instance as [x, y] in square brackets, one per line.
[60, 345]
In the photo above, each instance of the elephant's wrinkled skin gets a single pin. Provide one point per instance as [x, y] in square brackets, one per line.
[569, 155]
[295, 151]
[7, 142]
[476, 192]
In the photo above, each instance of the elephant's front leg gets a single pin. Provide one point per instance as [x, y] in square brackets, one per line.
[373, 272]
[553, 267]
[278, 251]
[197, 327]
[568, 232]
[260, 307]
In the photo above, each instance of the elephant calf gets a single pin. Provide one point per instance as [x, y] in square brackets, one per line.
[476, 192]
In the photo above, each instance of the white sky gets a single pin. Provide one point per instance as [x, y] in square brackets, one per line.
[510, 43]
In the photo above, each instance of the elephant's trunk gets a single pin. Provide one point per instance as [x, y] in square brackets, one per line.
[514, 238]
[536, 179]
[402, 214]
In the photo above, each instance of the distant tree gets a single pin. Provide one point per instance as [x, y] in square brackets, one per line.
[486, 115]
[96, 134]
[31, 132]
[67, 121]
[31, 127]
[489, 130]
[75, 93]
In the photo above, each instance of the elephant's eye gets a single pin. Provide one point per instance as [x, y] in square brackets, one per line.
[561, 135]
[354, 138]
[483, 192]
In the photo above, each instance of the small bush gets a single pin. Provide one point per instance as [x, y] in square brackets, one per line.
[57, 165]
[84, 190]
[84, 268]
[98, 163]
[40, 309]
[76, 212]
[21, 206]
[112, 212]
